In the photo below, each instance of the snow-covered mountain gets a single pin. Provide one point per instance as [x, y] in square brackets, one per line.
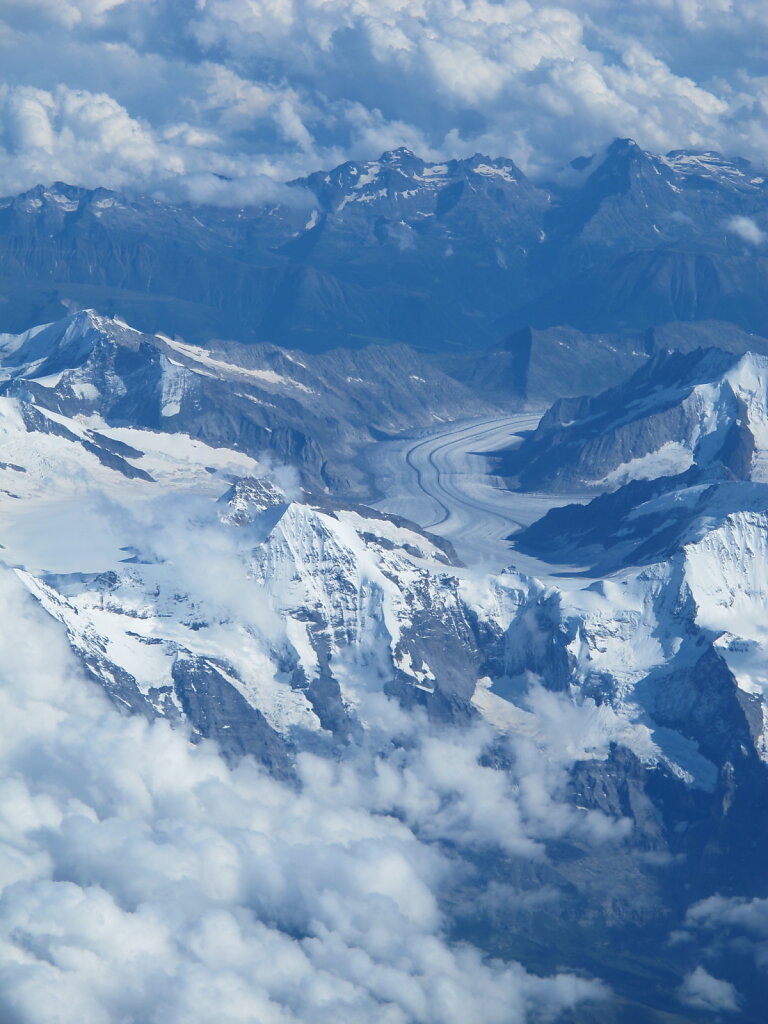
[589, 753]
[313, 411]
[679, 530]
[704, 409]
[344, 590]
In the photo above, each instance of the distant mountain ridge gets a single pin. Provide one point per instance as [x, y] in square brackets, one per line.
[441, 256]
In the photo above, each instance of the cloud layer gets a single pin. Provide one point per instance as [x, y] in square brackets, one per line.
[214, 99]
[142, 879]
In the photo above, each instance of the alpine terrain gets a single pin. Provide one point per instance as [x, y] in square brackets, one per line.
[384, 576]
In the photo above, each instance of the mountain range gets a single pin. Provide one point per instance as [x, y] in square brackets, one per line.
[428, 509]
[441, 256]
[212, 569]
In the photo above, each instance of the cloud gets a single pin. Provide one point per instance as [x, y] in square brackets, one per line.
[746, 229]
[252, 90]
[90, 139]
[702, 990]
[141, 878]
[68, 13]
[737, 922]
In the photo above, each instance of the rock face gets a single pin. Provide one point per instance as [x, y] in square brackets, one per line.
[440, 256]
[537, 366]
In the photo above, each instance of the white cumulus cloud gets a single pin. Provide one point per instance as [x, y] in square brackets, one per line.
[90, 139]
[747, 230]
[702, 990]
[141, 878]
[736, 921]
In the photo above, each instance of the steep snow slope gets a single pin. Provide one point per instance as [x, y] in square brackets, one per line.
[697, 525]
[314, 411]
[275, 599]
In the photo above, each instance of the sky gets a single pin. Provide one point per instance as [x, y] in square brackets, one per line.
[219, 100]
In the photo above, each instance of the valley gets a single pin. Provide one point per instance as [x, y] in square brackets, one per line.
[444, 482]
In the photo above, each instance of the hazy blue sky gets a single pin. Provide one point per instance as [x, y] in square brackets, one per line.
[164, 95]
